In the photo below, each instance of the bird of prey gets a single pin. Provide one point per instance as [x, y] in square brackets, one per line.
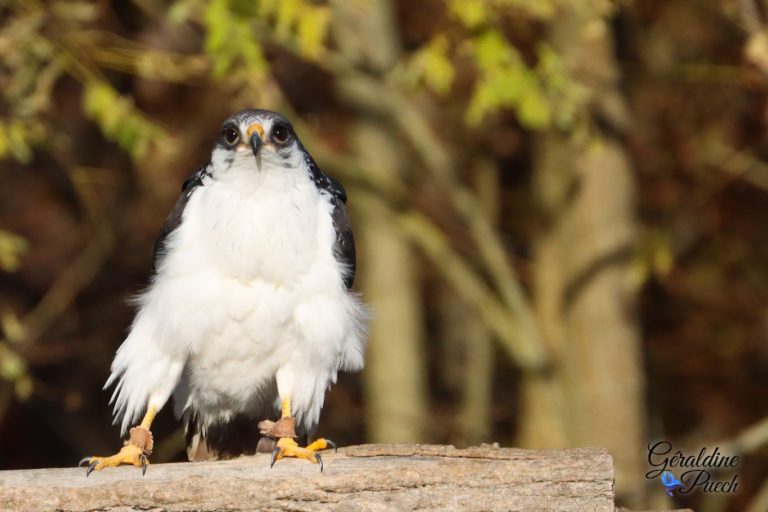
[249, 312]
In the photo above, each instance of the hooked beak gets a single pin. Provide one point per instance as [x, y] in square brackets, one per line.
[255, 137]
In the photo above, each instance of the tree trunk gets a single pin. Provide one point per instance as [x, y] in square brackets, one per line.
[396, 403]
[583, 296]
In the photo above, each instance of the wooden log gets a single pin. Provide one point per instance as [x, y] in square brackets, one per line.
[357, 478]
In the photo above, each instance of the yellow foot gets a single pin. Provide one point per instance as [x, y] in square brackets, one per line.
[287, 447]
[135, 452]
[129, 454]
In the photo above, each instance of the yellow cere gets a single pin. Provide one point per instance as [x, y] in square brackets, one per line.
[255, 127]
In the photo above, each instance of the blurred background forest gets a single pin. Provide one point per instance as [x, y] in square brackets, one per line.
[560, 209]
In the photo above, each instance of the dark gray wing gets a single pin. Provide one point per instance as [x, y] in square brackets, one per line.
[344, 249]
[174, 219]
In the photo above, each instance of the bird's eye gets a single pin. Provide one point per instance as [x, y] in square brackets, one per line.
[231, 135]
[281, 133]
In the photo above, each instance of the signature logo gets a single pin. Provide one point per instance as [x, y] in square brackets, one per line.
[701, 471]
[670, 482]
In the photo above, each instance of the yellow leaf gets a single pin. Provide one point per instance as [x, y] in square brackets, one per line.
[12, 246]
[12, 326]
[287, 14]
[312, 27]
[12, 366]
[432, 65]
[471, 13]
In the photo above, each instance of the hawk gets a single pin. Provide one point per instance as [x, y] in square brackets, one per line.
[249, 311]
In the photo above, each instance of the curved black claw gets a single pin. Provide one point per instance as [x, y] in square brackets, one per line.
[91, 467]
[319, 461]
[275, 453]
[332, 445]
[144, 463]
[83, 461]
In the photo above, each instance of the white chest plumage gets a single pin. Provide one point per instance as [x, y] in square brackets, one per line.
[248, 301]
[272, 232]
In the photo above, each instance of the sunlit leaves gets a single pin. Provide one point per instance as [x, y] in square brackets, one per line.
[432, 65]
[120, 120]
[311, 28]
[18, 136]
[235, 30]
[29, 64]
[477, 13]
[29, 71]
[653, 257]
[298, 23]
[284, 12]
[230, 40]
[14, 369]
[540, 94]
[471, 13]
[505, 81]
[542, 9]
[12, 246]
[566, 96]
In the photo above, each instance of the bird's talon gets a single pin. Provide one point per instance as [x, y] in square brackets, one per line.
[128, 454]
[83, 461]
[287, 447]
[332, 445]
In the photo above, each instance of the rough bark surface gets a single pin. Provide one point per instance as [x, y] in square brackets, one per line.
[358, 478]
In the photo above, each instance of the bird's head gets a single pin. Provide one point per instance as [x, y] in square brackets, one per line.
[256, 138]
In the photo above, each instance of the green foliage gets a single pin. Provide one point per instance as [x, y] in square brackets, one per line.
[229, 38]
[120, 120]
[541, 95]
[474, 14]
[298, 23]
[566, 97]
[505, 81]
[653, 257]
[13, 367]
[542, 9]
[432, 65]
[471, 13]
[30, 69]
[18, 137]
[14, 370]
[311, 29]
[235, 30]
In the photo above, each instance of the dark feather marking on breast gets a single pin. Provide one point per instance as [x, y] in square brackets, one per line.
[174, 218]
[344, 248]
